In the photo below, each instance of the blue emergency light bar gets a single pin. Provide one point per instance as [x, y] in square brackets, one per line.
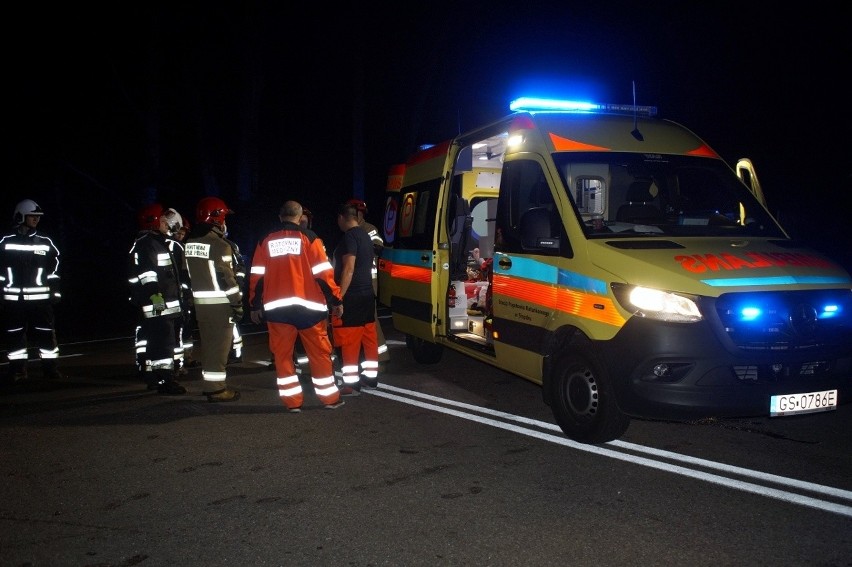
[530, 104]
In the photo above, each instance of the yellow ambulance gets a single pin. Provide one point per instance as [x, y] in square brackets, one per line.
[617, 260]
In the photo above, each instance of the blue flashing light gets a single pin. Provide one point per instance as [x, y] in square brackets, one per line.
[759, 313]
[531, 104]
[829, 312]
[750, 313]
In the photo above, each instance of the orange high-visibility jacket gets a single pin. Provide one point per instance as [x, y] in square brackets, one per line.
[291, 279]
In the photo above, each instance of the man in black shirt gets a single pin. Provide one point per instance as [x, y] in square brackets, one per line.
[356, 329]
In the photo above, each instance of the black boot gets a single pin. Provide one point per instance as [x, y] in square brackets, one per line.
[166, 383]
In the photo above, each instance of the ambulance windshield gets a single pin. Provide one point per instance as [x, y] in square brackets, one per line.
[628, 193]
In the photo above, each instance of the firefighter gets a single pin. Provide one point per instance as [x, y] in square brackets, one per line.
[216, 294]
[188, 325]
[29, 274]
[155, 288]
[175, 222]
[378, 246]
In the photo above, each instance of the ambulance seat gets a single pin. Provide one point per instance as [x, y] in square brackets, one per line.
[639, 207]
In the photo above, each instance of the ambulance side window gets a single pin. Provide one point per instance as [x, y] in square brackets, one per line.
[415, 226]
[525, 201]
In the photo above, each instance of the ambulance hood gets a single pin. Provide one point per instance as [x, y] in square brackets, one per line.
[712, 266]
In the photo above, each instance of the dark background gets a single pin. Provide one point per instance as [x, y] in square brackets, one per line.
[112, 108]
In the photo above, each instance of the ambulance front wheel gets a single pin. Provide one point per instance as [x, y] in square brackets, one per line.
[424, 351]
[582, 398]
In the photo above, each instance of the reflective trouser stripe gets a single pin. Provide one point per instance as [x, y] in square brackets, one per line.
[351, 340]
[315, 340]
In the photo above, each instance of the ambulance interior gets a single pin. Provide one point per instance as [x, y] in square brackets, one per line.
[472, 211]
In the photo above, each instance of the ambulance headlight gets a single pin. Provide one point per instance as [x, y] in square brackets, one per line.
[657, 304]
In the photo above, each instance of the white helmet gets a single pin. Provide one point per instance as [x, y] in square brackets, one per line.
[174, 220]
[26, 207]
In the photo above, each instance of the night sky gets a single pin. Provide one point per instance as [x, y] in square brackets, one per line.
[112, 108]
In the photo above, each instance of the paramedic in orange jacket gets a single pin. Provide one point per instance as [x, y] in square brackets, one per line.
[291, 284]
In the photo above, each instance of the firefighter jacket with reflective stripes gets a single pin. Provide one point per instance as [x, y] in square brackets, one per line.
[291, 278]
[210, 262]
[29, 268]
[154, 268]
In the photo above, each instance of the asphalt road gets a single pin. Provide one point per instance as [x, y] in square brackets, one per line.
[452, 464]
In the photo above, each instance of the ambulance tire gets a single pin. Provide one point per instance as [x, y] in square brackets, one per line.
[583, 400]
[424, 351]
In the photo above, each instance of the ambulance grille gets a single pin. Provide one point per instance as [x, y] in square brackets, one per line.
[793, 321]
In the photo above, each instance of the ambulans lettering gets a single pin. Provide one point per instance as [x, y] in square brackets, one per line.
[284, 246]
[197, 250]
[700, 263]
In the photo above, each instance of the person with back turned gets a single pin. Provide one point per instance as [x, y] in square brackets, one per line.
[291, 285]
[355, 330]
[216, 294]
[378, 245]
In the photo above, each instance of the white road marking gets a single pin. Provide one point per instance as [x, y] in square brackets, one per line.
[790, 497]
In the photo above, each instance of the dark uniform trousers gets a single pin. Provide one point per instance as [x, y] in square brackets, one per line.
[35, 321]
[159, 341]
[216, 333]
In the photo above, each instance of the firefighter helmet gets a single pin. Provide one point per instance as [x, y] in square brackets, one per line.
[212, 210]
[174, 220]
[24, 208]
[359, 205]
[149, 217]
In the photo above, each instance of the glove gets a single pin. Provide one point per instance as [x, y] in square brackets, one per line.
[158, 302]
[256, 316]
[236, 313]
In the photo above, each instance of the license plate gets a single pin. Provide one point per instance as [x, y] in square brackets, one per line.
[792, 404]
